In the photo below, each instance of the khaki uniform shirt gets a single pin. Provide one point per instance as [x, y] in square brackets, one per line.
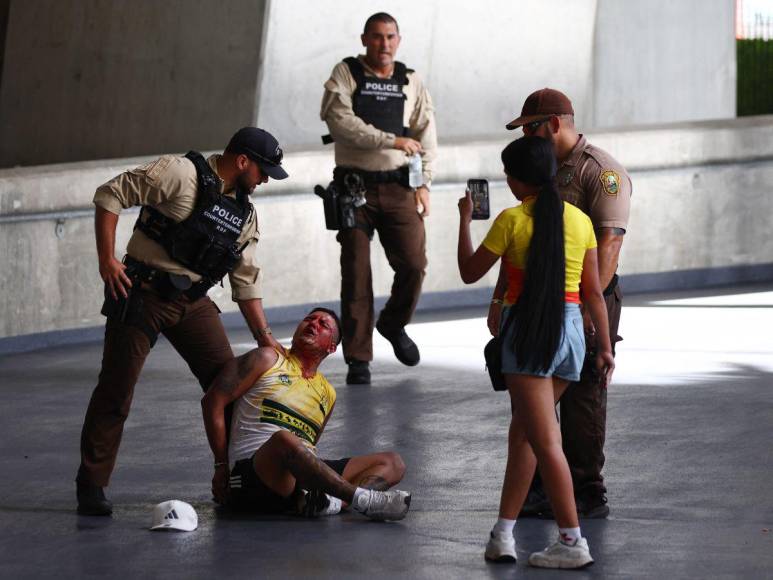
[169, 184]
[363, 146]
[592, 180]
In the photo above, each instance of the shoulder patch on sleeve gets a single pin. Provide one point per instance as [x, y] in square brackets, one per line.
[154, 169]
[610, 180]
[173, 174]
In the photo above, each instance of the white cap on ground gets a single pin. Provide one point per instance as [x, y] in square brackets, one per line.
[174, 515]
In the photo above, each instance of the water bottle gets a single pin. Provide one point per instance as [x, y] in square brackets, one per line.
[415, 178]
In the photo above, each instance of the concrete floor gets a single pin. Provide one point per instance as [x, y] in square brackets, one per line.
[689, 460]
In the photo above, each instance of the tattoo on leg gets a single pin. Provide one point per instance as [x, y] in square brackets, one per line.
[312, 473]
[374, 482]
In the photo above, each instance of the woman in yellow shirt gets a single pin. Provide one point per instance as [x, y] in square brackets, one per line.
[548, 249]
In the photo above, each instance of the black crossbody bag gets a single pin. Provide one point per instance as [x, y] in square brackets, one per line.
[492, 352]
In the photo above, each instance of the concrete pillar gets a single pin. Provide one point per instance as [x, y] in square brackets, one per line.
[89, 79]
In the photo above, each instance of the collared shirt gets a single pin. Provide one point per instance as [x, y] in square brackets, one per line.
[363, 146]
[169, 184]
[592, 180]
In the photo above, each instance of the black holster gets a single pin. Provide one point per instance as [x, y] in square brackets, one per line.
[124, 310]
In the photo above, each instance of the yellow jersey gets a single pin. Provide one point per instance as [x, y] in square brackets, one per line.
[510, 235]
[280, 399]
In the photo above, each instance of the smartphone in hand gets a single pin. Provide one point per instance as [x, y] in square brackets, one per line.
[478, 189]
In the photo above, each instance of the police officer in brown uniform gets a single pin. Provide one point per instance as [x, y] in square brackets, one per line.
[592, 180]
[196, 225]
[379, 113]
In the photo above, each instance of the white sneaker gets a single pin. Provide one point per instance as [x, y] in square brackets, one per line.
[385, 505]
[500, 548]
[333, 507]
[316, 503]
[560, 555]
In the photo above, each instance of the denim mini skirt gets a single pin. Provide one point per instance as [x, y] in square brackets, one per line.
[568, 360]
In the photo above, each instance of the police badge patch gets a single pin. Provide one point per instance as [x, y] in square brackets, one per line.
[611, 182]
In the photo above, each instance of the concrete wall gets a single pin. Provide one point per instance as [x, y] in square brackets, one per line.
[622, 63]
[89, 79]
[661, 61]
[702, 199]
[478, 59]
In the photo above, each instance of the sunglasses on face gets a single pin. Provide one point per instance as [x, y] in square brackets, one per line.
[276, 160]
[535, 124]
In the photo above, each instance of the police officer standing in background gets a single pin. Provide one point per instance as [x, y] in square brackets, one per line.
[196, 225]
[595, 182]
[379, 114]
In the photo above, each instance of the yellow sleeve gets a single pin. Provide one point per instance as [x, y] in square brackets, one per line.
[592, 243]
[498, 238]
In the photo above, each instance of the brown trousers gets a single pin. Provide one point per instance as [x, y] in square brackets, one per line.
[390, 210]
[195, 331]
[584, 416]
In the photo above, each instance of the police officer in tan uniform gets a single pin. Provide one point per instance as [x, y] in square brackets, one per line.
[196, 225]
[379, 114]
[592, 180]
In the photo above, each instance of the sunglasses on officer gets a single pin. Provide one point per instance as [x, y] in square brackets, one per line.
[276, 160]
[534, 125]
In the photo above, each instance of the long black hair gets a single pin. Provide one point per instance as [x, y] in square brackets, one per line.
[539, 312]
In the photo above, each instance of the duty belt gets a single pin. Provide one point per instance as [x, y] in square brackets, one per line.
[399, 176]
[170, 286]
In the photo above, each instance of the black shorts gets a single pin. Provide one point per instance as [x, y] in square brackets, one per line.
[248, 492]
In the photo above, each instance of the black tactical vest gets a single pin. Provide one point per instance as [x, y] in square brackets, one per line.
[378, 102]
[206, 241]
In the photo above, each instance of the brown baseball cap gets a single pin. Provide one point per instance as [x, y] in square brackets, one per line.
[541, 104]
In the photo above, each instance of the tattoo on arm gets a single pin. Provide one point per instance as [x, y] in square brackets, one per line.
[234, 372]
[374, 482]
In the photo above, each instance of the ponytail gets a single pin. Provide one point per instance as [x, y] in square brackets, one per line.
[539, 312]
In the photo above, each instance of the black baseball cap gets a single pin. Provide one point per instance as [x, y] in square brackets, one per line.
[260, 146]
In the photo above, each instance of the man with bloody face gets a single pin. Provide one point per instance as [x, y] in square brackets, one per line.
[281, 406]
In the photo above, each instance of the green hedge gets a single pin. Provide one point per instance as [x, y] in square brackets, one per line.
[755, 76]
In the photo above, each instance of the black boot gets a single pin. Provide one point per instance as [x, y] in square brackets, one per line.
[359, 373]
[92, 500]
[405, 349]
[592, 507]
[536, 505]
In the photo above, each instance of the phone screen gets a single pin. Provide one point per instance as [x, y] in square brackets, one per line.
[478, 189]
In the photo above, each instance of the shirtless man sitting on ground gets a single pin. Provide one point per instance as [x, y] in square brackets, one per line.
[281, 405]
